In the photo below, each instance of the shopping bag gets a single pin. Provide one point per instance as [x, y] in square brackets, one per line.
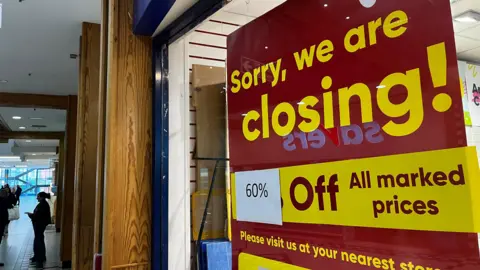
[14, 213]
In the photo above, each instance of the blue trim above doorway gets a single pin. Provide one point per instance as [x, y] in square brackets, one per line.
[148, 14]
[189, 20]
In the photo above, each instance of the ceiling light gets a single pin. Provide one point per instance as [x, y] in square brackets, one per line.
[468, 17]
[9, 158]
[28, 141]
[3, 81]
[36, 118]
[16, 117]
[348, 18]
[326, 5]
[266, 47]
[34, 154]
[21, 127]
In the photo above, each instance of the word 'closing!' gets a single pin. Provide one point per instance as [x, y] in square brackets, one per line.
[311, 112]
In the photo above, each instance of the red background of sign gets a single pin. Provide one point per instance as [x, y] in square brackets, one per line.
[299, 24]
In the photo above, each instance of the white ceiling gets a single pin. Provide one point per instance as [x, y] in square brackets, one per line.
[54, 120]
[35, 152]
[40, 143]
[37, 37]
[36, 40]
[251, 8]
[467, 35]
[30, 153]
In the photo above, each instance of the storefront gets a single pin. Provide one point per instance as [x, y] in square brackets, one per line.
[321, 134]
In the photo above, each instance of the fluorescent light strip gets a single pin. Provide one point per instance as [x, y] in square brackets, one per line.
[468, 17]
[9, 158]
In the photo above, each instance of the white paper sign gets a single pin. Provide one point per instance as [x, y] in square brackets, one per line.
[473, 85]
[258, 196]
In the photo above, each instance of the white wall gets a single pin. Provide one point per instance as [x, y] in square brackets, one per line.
[179, 252]
[473, 138]
[6, 148]
[472, 132]
[205, 45]
[194, 48]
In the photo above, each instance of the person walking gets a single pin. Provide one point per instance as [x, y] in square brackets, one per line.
[11, 201]
[3, 213]
[40, 219]
[18, 193]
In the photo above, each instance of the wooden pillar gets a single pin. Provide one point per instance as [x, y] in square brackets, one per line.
[98, 229]
[86, 153]
[60, 180]
[55, 174]
[68, 184]
[128, 140]
[55, 179]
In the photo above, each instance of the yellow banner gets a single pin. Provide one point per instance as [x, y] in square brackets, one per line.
[429, 191]
[250, 262]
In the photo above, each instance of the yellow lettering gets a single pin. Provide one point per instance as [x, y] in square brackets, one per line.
[256, 73]
[327, 102]
[235, 81]
[345, 256]
[264, 73]
[275, 68]
[250, 135]
[306, 57]
[287, 109]
[393, 26]
[359, 32]
[345, 95]
[324, 51]
[305, 111]
[372, 30]
[411, 106]
[353, 258]
[265, 117]
[328, 110]
[247, 80]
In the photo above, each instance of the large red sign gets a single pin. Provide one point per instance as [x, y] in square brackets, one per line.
[320, 81]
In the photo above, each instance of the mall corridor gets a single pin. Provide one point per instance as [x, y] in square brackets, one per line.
[17, 248]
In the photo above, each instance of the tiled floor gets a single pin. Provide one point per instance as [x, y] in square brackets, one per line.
[17, 248]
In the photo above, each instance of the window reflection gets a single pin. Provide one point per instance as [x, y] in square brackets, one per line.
[31, 180]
